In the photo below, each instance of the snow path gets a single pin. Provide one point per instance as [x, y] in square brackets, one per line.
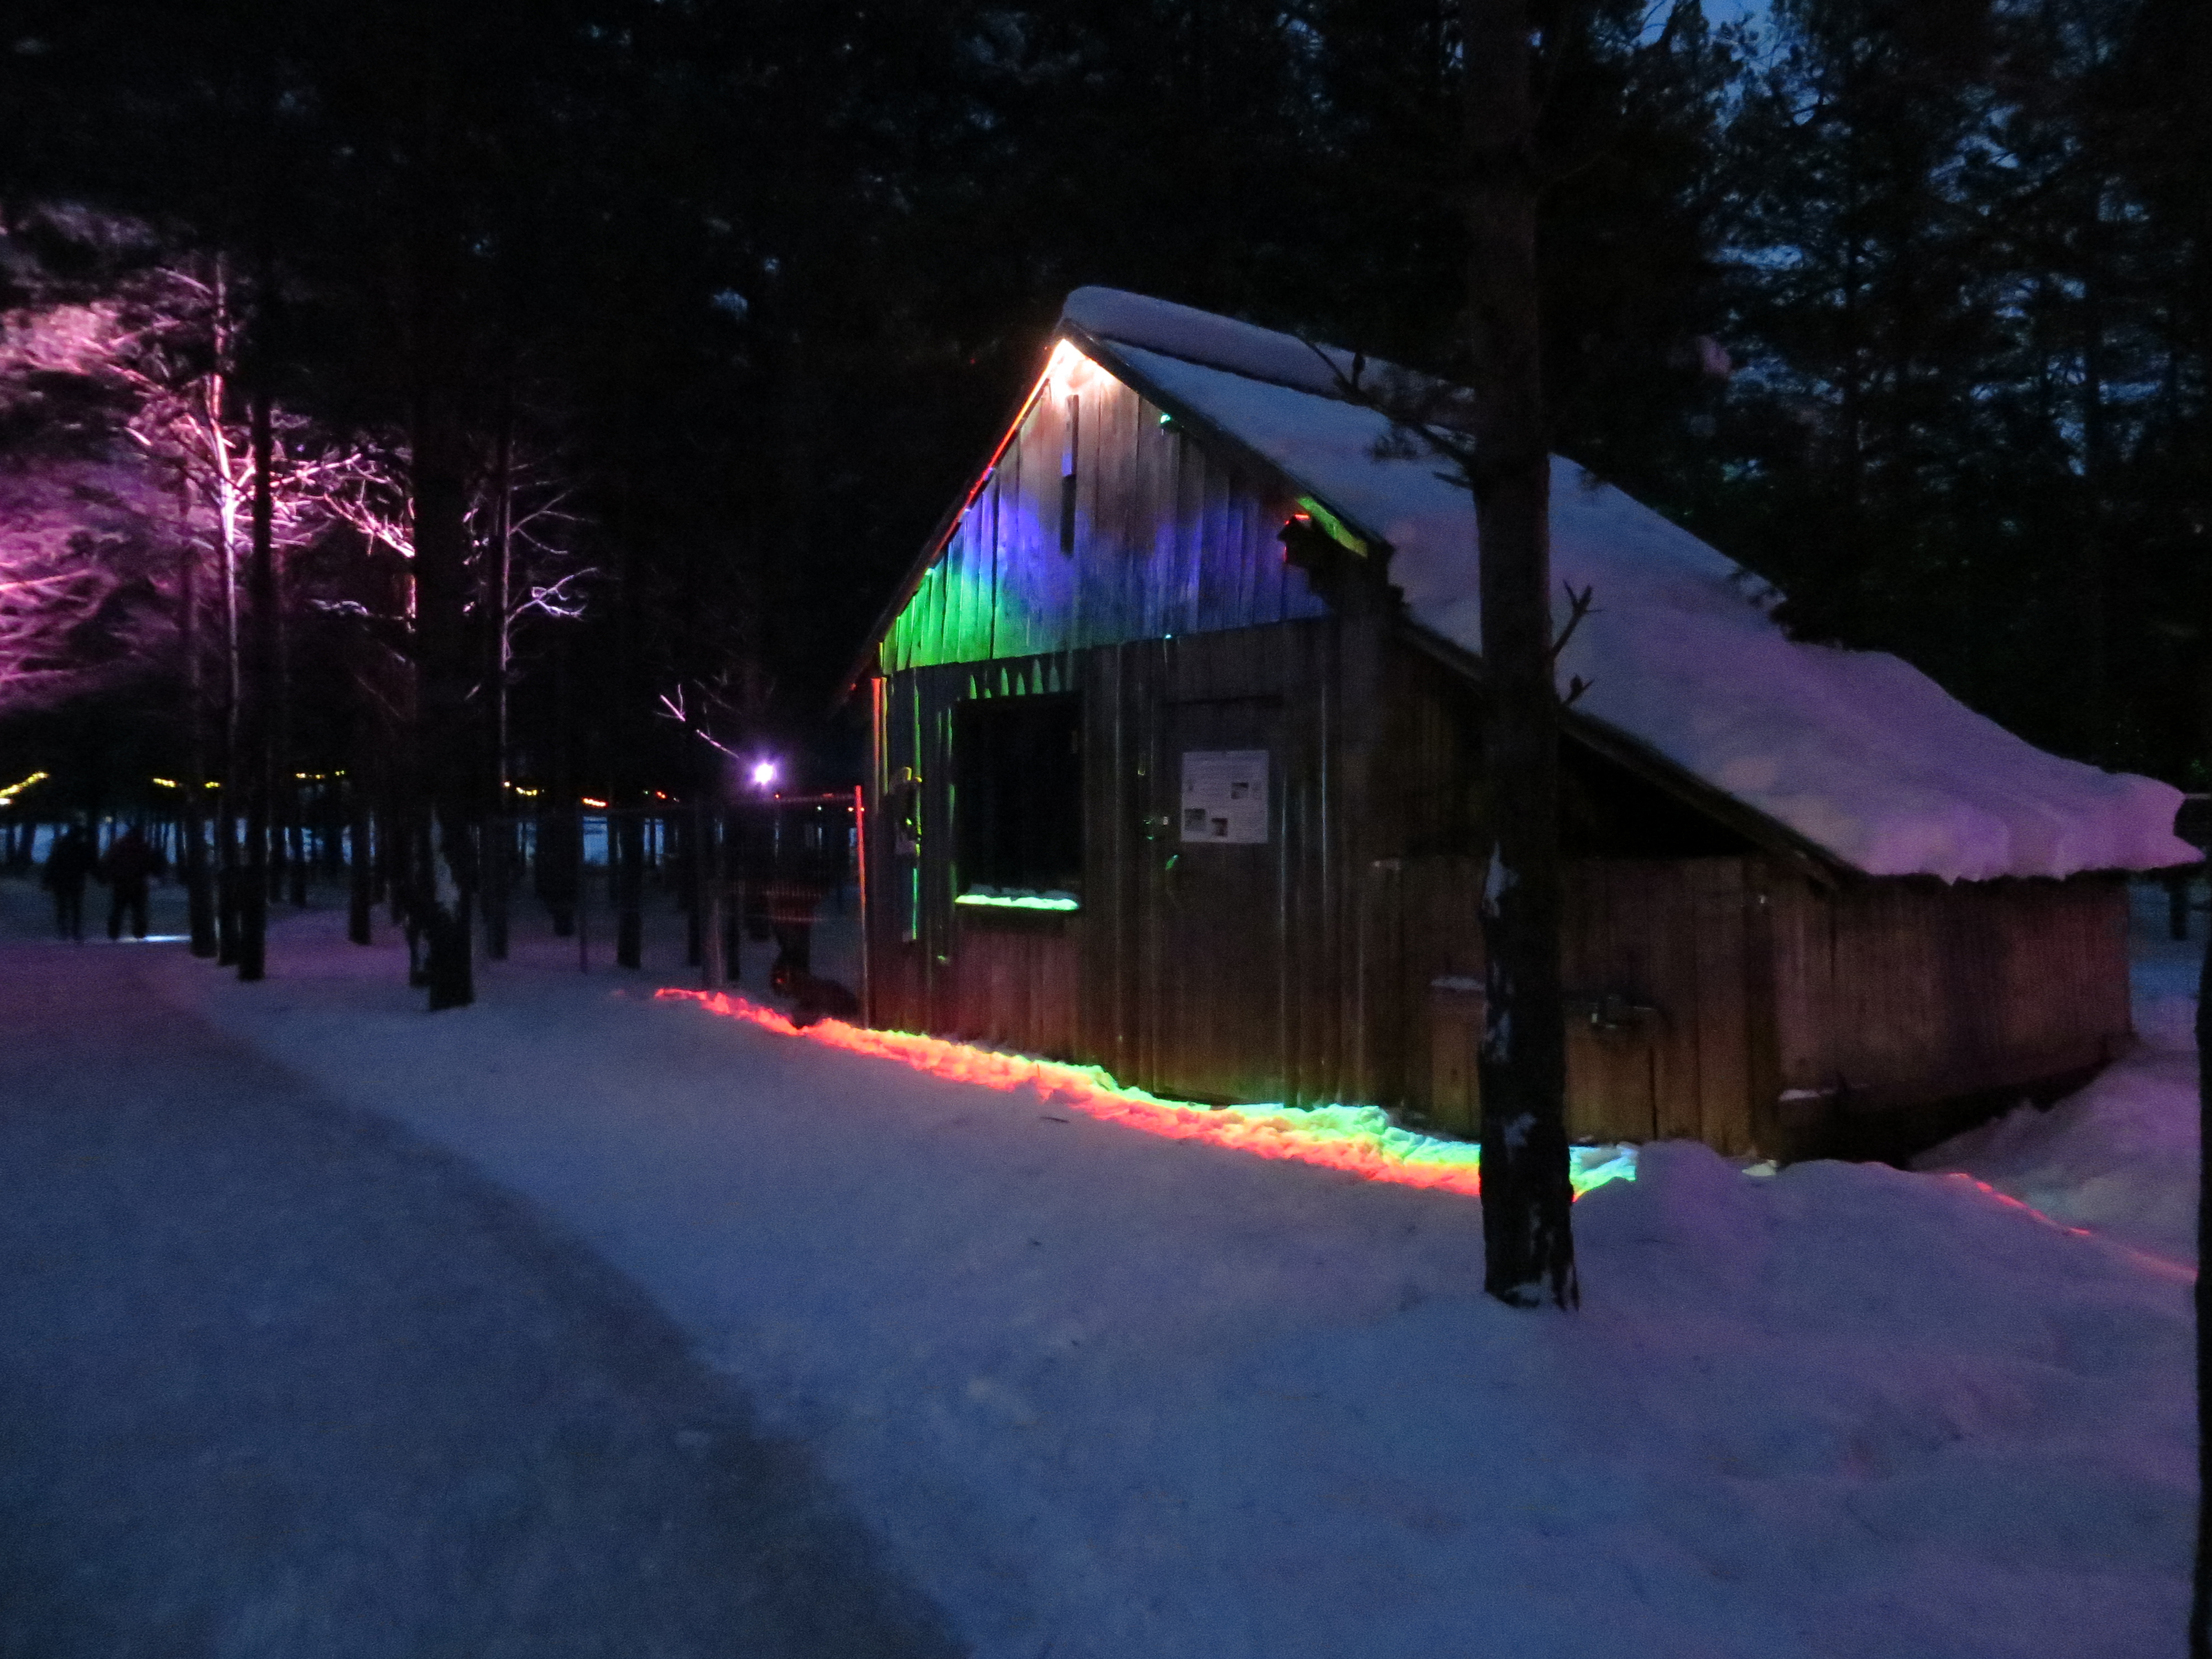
[1104, 1394]
[279, 1379]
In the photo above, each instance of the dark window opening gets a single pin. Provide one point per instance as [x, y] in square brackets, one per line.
[1018, 797]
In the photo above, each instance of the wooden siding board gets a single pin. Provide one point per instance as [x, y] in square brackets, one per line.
[1892, 992]
[1722, 1031]
[1610, 1073]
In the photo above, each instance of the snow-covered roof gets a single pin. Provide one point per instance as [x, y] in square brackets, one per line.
[1856, 751]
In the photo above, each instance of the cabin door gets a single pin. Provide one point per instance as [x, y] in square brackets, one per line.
[1218, 911]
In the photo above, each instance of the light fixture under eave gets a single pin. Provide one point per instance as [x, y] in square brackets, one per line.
[763, 774]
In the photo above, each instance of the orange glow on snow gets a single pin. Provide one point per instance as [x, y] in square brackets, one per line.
[1335, 1137]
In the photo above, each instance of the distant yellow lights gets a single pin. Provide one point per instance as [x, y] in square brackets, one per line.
[7, 795]
[590, 801]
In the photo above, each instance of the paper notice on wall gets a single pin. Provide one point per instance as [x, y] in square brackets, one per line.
[1224, 795]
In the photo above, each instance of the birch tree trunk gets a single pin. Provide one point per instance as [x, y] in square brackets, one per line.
[228, 797]
[198, 900]
[257, 723]
[500, 829]
[1528, 1240]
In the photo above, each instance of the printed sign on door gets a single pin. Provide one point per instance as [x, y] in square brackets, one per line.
[1224, 795]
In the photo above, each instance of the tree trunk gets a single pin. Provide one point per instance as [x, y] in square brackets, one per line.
[446, 886]
[285, 764]
[498, 578]
[191, 822]
[445, 745]
[629, 853]
[258, 726]
[1528, 1239]
[361, 796]
[560, 844]
[2200, 1601]
[231, 794]
[626, 830]
[361, 894]
[229, 797]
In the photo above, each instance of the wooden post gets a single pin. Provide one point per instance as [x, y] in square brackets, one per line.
[860, 870]
[709, 881]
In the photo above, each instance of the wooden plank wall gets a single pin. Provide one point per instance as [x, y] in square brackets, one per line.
[1708, 988]
[1016, 981]
[1254, 973]
[1218, 973]
[1169, 540]
[1304, 971]
[1661, 995]
[1890, 993]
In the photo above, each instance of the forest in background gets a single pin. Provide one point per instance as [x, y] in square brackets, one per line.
[688, 319]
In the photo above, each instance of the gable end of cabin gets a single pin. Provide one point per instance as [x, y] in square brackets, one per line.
[1104, 518]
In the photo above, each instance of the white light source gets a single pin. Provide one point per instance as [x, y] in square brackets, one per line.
[763, 774]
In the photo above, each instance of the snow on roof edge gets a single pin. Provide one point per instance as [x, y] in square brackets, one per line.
[1201, 337]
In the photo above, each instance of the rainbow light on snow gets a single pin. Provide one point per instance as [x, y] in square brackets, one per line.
[1358, 1140]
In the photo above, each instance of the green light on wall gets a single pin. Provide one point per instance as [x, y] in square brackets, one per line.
[1060, 902]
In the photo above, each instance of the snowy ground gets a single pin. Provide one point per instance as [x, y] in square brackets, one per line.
[1096, 1394]
[277, 1378]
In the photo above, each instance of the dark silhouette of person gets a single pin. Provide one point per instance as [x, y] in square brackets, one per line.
[129, 866]
[68, 863]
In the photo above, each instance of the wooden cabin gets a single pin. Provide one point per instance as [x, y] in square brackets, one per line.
[1176, 771]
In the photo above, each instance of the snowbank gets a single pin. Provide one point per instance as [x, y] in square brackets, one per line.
[2120, 1156]
[1104, 1394]
[1858, 751]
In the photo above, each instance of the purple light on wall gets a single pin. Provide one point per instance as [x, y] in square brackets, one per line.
[763, 774]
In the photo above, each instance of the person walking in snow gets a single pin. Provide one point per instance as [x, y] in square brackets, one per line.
[128, 867]
[68, 863]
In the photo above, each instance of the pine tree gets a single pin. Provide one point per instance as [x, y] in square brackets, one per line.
[1527, 1236]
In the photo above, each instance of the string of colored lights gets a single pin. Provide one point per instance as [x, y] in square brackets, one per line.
[1358, 1140]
